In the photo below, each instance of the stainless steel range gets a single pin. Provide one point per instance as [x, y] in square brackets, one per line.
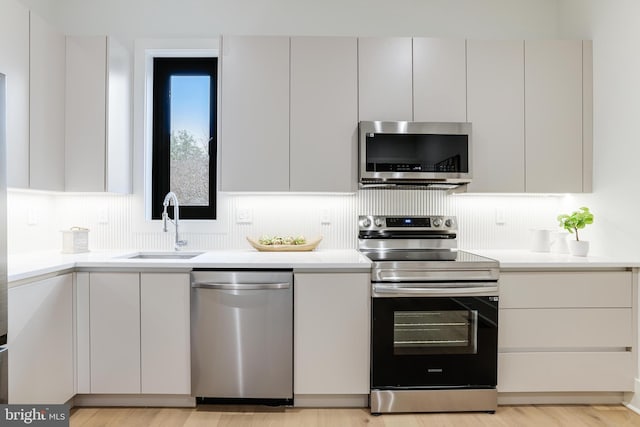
[434, 317]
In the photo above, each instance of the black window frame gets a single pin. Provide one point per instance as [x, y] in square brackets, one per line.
[163, 69]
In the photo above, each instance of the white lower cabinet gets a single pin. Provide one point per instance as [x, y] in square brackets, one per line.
[165, 333]
[114, 327]
[41, 341]
[137, 339]
[566, 332]
[331, 333]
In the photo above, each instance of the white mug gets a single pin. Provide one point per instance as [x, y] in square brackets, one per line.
[559, 244]
[540, 240]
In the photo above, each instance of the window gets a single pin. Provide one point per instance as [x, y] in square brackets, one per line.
[184, 135]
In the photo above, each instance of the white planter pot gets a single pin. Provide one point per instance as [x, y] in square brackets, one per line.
[578, 247]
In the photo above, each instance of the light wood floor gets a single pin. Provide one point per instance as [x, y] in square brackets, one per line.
[507, 416]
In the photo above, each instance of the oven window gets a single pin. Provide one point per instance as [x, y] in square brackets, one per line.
[435, 332]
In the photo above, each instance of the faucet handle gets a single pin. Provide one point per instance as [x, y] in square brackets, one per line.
[180, 243]
[165, 216]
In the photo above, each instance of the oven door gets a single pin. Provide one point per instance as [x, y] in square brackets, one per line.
[445, 341]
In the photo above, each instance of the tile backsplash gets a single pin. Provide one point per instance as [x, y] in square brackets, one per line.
[485, 221]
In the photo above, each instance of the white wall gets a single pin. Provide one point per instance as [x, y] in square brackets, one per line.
[613, 27]
[36, 219]
[131, 19]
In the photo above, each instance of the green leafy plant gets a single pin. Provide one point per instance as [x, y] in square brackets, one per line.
[576, 221]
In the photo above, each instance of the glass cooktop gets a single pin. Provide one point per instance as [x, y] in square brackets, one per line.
[424, 255]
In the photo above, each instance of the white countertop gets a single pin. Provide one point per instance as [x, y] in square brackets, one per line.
[25, 266]
[513, 258]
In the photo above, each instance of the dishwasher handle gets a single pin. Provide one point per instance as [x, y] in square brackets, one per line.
[241, 286]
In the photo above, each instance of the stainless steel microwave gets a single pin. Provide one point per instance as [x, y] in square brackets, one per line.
[414, 153]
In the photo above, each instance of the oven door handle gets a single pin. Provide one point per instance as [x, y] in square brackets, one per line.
[384, 289]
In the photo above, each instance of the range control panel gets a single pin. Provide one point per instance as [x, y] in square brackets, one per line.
[416, 223]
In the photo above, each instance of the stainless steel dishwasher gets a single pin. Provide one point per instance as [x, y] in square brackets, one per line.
[242, 336]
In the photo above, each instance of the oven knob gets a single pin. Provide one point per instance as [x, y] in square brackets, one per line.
[448, 223]
[379, 222]
[366, 222]
[437, 222]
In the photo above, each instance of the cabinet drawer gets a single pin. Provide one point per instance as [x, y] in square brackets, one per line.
[565, 328]
[565, 372]
[565, 289]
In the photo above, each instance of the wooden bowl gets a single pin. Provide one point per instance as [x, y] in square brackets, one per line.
[306, 247]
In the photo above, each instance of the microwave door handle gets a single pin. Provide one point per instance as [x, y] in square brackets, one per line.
[382, 289]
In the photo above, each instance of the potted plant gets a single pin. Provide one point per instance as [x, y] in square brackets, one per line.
[577, 220]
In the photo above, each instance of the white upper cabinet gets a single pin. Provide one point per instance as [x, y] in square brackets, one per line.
[420, 79]
[554, 116]
[288, 122]
[439, 80]
[324, 114]
[385, 78]
[14, 64]
[98, 115]
[495, 76]
[47, 93]
[530, 105]
[255, 114]
[289, 114]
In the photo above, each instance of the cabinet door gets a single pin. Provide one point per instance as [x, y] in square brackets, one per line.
[47, 83]
[324, 113]
[86, 113]
[588, 371]
[385, 78]
[118, 139]
[14, 64]
[439, 80]
[41, 361]
[165, 333]
[496, 110]
[552, 328]
[255, 114]
[553, 116]
[98, 115]
[566, 289]
[114, 313]
[331, 333]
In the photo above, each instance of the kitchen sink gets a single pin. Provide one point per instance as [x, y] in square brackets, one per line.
[164, 255]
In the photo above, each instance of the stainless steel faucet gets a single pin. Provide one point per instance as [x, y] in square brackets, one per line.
[176, 218]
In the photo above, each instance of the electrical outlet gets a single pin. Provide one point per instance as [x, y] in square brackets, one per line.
[325, 217]
[501, 215]
[103, 216]
[243, 216]
[32, 217]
